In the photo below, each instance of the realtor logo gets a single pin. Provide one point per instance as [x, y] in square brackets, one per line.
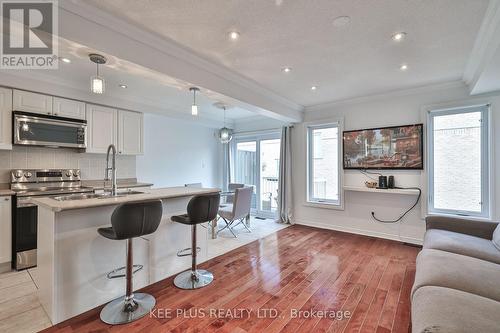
[29, 35]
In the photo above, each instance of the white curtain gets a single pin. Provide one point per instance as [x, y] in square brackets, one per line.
[285, 177]
[226, 168]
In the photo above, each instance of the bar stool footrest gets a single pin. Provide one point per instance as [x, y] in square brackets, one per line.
[187, 252]
[115, 274]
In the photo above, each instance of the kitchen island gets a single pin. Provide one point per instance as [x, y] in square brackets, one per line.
[74, 260]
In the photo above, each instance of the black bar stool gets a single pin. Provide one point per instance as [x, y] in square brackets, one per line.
[128, 221]
[200, 209]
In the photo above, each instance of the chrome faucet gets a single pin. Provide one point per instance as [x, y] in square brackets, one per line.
[113, 168]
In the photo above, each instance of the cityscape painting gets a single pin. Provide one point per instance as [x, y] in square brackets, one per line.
[399, 147]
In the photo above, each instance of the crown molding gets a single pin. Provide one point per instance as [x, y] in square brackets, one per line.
[83, 23]
[486, 44]
[45, 85]
[394, 93]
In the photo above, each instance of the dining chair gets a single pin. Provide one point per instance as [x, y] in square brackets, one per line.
[234, 214]
[231, 187]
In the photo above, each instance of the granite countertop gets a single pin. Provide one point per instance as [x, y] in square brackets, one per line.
[151, 194]
[4, 192]
[5, 189]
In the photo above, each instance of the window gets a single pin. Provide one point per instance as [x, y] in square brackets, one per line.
[459, 161]
[323, 164]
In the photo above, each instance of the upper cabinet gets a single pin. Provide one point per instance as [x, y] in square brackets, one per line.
[101, 128]
[105, 125]
[130, 133]
[32, 102]
[5, 118]
[68, 108]
[44, 104]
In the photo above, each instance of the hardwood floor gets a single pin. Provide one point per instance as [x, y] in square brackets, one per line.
[279, 283]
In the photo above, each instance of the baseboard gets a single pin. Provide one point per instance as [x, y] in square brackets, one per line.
[5, 267]
[356, 231]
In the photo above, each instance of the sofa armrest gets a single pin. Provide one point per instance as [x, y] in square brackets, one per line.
[483, 229]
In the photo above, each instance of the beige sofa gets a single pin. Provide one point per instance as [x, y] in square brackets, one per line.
[457, 281]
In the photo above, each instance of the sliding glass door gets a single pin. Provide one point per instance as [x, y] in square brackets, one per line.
[256, 163]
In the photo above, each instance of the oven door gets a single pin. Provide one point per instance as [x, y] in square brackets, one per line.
[40, 130]
[25, 234]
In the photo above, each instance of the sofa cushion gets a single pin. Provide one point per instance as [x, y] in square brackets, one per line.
[496, 237]
[445, 310]
[461, 244]
[445, 269]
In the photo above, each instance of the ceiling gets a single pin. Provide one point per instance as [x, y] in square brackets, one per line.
[144, 86]
[343, 62]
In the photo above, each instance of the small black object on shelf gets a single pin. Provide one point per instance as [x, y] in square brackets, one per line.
[382, 182]
[390, 183]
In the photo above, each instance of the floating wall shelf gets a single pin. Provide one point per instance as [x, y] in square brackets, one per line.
[385, 191]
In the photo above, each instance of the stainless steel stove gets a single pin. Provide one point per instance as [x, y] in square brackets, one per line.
[29, 184]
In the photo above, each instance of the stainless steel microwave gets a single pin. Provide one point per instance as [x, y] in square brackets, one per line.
[49, 131]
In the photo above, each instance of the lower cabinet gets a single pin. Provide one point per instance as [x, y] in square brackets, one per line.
[5, 229]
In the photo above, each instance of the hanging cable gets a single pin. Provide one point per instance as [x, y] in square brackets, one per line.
[406, 212]
[367, 174]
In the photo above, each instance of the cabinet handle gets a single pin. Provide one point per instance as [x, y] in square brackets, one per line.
[6, 199]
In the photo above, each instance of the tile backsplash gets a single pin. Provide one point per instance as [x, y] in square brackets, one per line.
[91, 165]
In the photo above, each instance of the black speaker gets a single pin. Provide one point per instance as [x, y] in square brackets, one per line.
[390, 183]
[382, 182]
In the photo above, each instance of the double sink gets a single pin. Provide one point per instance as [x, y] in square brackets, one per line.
[83, 196]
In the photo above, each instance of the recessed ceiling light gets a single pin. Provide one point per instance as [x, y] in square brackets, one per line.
[123, 86]
[314, 88]
[234, 35]
[403, 67]
[66, 60]
[341, 21]
[286, 69]
[399, 36]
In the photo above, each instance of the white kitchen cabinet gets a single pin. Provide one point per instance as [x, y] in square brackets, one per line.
[68, 108]
[5, 229]
[101, 128]
[31, 102]
[130, 133]
[5, 118]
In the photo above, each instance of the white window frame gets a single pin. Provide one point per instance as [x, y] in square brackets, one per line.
[485, 160]
[318, 202]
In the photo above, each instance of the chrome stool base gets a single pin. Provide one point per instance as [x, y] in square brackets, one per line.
[186, 280]
[114, 312]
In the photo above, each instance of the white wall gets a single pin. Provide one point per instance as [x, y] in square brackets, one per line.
[384, 110]
[177, 152]
[257, 124]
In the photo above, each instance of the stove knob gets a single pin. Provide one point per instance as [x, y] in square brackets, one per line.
[76, 173]
[18, 174]
[69, 173]
[28, 174]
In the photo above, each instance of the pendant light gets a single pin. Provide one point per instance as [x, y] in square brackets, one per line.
[97, 82]
[225, 134]
[194, 107]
